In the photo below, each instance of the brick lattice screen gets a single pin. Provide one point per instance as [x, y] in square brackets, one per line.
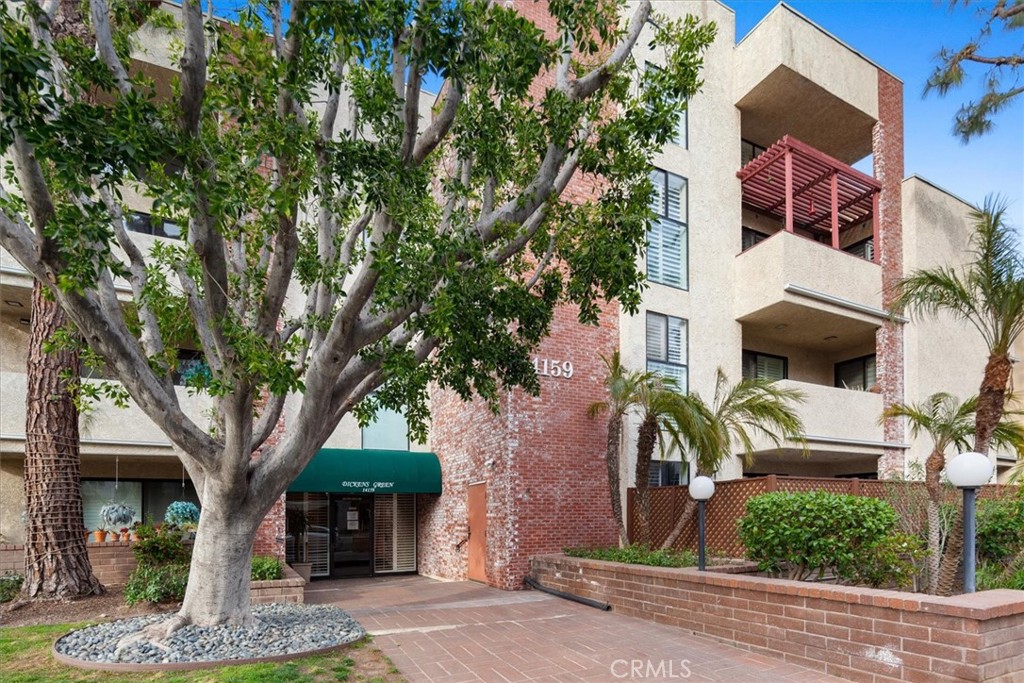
[728, 505]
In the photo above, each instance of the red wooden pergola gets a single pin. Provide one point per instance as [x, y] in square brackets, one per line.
[806, 188]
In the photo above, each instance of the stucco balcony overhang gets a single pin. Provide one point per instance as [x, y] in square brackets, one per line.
[794, 77]
[797, 292]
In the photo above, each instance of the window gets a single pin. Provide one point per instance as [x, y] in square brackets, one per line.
[388, 432]
[749, 151]
[667, 238]
[857, 373]
[764, 366]
[750, 237]
[136, 221]
[680, 135]
[667, 348]
[148, 497]
[865, 249]
[665, 473]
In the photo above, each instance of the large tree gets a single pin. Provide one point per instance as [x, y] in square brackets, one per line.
[739, 413]
[988, 293]
[1002, 84]
[56, 560]
[425, 251]
[950, 424]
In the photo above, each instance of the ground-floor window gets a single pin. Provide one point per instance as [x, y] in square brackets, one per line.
[345, 535]
[148, 497]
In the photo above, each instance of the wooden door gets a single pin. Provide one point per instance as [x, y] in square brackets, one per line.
[478, 532]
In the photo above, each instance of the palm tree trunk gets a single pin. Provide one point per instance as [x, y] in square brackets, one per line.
[56, 562]
[688, 513]
[933, 470]
[991, 399]
[612, 463]
[646, 439]
[951, 558]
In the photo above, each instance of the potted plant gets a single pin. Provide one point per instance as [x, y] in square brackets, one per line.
[298, 525]
[183, 514]
[100, 534]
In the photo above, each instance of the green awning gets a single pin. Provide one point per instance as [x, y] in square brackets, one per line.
[344, 470]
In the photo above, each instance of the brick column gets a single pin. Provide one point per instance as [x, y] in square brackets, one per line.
[270, 533]
[887, 146]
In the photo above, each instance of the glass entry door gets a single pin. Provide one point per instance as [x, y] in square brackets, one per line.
[352, 535]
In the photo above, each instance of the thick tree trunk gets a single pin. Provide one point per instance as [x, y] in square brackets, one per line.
[218, 583]
[991, 399]
[56, 561]
[645, 442]
[932, 473]
[612, 463]
[689, 512]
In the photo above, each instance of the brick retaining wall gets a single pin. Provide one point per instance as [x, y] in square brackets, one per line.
[860, 634]
[113, 562]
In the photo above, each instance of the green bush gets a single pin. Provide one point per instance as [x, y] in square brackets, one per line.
[156, 583]
[10, 584]
[636, 554]
[1000, 525]
[991, 575]
[159, 546]
[820, 533]
[266, 568]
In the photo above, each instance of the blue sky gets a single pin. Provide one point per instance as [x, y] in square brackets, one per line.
[903, 38]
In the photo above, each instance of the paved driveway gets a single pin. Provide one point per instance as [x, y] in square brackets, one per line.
[456, 632]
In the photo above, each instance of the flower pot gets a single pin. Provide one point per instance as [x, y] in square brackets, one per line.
[101, 535]
[125, 536]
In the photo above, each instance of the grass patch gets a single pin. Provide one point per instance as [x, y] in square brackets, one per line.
[635, 554]
[26, 657]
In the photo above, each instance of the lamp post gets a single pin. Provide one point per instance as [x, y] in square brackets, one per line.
[968, 471]
[701, 488]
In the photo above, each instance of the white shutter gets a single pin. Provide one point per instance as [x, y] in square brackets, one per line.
[658, 198]
[405, 532]
[317, 534]
[676, 198]
[394, 543]
[676, 341]
[656, 336]
[671, 242]
[383, 533]
[656, 253]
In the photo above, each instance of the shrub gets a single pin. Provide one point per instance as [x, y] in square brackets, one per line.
[10, 584]
[182, 513]
[991, 575]
[637, 554]
[157, 547]
[1000, 526]
[159, 583]
[818, 533]
[266, 568]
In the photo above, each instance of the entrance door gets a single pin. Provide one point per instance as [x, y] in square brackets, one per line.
[352, 535]
[478, 532]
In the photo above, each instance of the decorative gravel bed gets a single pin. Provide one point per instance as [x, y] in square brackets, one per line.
[280, 630]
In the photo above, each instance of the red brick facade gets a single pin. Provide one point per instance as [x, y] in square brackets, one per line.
[542, 459]
[887, 147]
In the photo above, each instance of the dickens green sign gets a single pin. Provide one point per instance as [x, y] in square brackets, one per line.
[346, 470]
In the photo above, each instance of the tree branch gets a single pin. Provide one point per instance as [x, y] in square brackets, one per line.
[100, 15]
[596, 79]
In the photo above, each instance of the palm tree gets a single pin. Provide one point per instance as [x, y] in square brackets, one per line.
[738, 414]
[667, 417]
[988, 294]
[950, 424]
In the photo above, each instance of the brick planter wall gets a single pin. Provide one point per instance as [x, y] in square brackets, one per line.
[859, 634]
[114, 562]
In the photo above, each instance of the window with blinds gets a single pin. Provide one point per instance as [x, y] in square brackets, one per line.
[311, 508]
[394, 529]
[764, 366]
[149, 498]
[857, 373]
[667, 348]
[680, 132]
[665, 473]
[667, 239]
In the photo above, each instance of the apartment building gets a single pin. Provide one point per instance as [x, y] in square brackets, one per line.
[784, 217]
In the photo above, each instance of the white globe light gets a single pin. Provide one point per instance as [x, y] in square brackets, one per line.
[969, 470]
[702, 488]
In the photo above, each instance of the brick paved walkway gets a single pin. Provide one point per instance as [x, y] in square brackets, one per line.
[457, 632]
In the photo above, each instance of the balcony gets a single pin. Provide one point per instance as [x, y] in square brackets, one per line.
[792, 77]
[842, 432]
[793, 291]
[104, 430]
